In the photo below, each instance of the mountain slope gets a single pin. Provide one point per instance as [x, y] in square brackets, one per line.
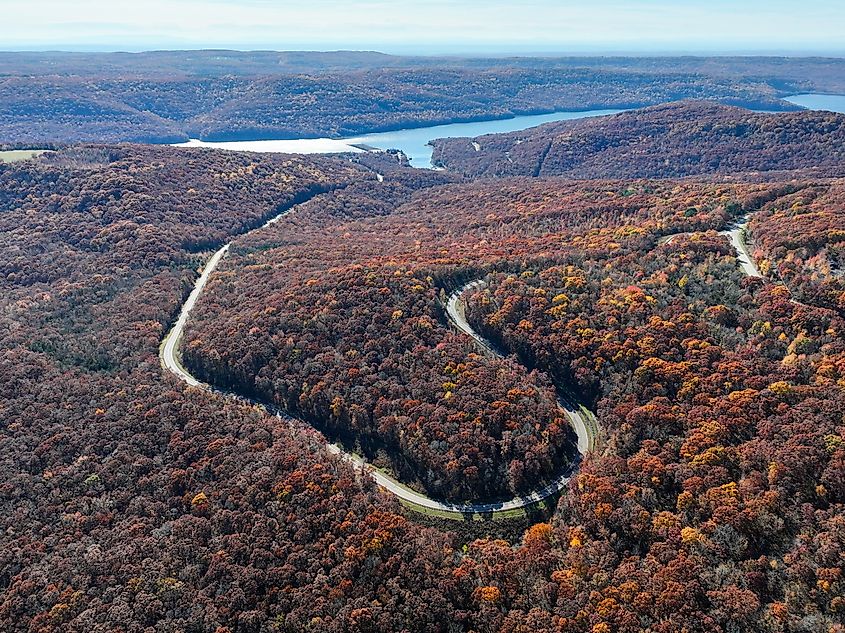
[666, 141]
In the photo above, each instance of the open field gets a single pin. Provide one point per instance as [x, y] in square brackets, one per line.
[15, 155]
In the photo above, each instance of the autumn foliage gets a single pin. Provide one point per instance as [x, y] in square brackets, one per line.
[691, 138]
[715, 501]
[799, 241]
[170, 96]
[712, 490]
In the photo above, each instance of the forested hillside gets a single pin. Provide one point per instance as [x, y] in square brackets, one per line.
[715, 503]
[225, 95]
[665, 141]
[344, 331]
[798, 74]
[715, 499]
[800, 241]
[128, 502]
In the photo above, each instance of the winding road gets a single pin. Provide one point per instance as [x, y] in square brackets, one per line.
[735, 233]
[585, 430]
[583, 421]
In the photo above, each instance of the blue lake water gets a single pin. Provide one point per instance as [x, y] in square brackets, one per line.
[833, 103]
[414, 142]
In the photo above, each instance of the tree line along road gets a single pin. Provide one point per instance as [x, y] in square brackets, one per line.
[582, 420]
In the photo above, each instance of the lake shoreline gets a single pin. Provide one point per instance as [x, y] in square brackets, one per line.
[258, 135]
[829, 102]
[415, 141]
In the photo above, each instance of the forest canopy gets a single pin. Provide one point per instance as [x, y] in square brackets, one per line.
[712, 490]
[714, 501]
[673, 140]
[170, 96]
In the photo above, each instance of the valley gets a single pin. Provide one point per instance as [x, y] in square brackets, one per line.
[442, 344]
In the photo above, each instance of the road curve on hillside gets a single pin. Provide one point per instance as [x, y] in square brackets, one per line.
[169, 351]
[171, 361]
[582, 422]
[736, 234]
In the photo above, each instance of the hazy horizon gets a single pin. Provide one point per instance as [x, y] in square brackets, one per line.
[439, 27]
[456, 52]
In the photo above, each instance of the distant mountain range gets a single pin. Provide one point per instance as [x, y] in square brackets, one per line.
[169, 96]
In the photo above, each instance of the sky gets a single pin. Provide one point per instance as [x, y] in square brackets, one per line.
[428, 27]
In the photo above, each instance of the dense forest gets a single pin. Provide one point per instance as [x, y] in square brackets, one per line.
[800, 241]
[798, 74]
[715, 503]
[715, 499]
[666, 141]
[344, 332]
[225, 95]
[130, 502]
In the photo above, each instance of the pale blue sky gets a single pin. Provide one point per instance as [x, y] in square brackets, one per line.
[435, 26]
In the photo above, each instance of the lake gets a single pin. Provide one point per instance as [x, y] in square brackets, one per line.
[291, 146]
[412, 141]
[833, 103]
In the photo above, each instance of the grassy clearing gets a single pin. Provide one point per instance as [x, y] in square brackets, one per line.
[592, 425]
[498, 515]
[15, 155]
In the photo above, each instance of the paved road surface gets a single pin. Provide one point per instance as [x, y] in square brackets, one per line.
[170, 360]
[735, 233]
[582, 422]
